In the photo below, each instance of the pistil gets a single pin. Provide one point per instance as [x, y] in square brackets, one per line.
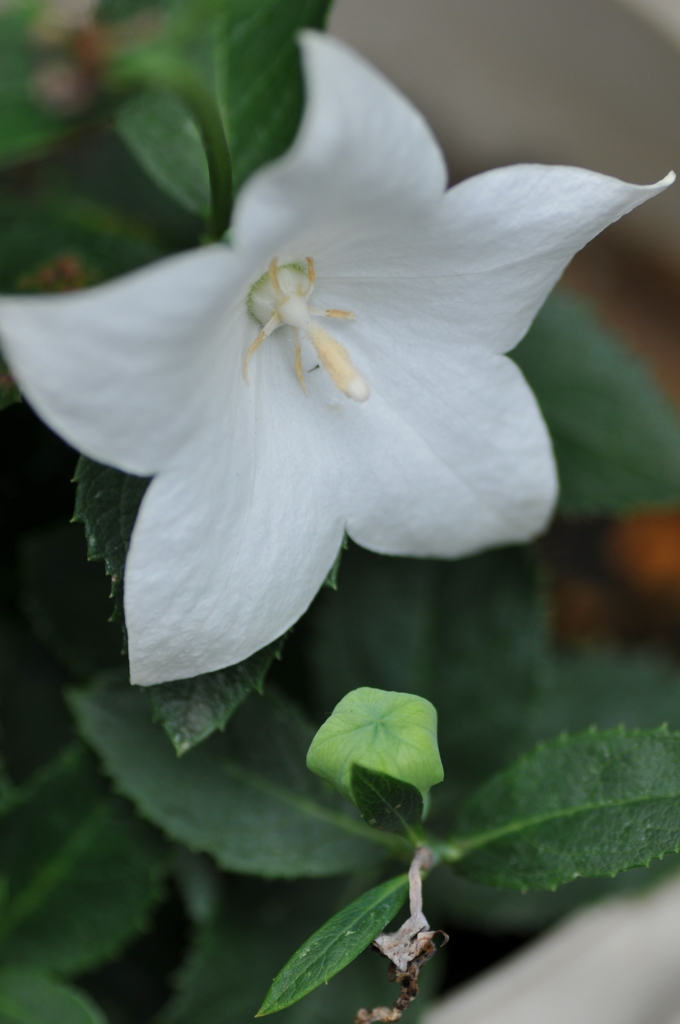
[276, 302]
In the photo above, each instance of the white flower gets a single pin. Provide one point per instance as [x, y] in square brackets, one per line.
[382, 405]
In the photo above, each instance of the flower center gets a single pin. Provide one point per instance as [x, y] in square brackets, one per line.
[279, 298]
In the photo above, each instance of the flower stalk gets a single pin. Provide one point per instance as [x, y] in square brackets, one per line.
[160, 69]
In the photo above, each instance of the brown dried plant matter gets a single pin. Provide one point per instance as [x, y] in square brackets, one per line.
[408, 948]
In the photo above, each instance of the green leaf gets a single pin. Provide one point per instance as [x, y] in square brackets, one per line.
[34, 721]
[385, 802]
[605, 687]
[587, 805]
[79, 873]
[336, 944]
[163, 135]
[601, 687]
[190, 710]
[483, 908]
[261, 84]
[25, 128]
[467, 635]
[28, 997]
[107, 502]
[235, 955]
[616, 435]
[244, 796]
[65, 598]
[33, 235]
[251, 63]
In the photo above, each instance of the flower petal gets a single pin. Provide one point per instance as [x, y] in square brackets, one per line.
[121, 371]
[480, 267]
[234, 539]
[362, 150]
[449, 457]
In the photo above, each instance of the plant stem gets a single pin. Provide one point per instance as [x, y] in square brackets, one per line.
[159, 69]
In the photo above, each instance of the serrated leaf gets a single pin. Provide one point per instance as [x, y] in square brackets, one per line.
[245, 796]
[587, 805]
[79, 873]
[65, 598]
[467, 635]
[190, 710]
[483, 908]
[385, 802]
[598, 686]
[28, 997]
[107, 502]
[339, 941]
[615, 433]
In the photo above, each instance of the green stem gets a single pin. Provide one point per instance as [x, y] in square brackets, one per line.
[163, 70]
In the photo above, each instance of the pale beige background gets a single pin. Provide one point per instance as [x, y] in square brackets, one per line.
[586, 82]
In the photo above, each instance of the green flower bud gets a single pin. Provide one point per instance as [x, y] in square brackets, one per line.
[395, 733]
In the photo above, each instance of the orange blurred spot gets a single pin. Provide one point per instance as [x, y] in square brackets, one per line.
[645, 552]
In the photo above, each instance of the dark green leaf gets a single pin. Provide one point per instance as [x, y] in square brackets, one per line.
[385, 802]
[335, 944]
[588, 805]
[107, 502]
[79, 874]
[467, 635]
[66, 600]
[259, 91]
[34, 721]
[25, 128]
[235, 956]
[261, 87]
[33, 235]
[616, 436]
[163, 135]
[601, 687]
[605, 687]
[28, 997]
[190, 710]
[245, 796]
[487, 909]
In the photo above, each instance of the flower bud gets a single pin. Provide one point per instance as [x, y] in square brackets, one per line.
[389, 732]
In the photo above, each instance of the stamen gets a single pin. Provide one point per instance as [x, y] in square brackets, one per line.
[270, 326]
[336, 362]
[299, 372]
[311, 274]
[338, 314]
[272, 270]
